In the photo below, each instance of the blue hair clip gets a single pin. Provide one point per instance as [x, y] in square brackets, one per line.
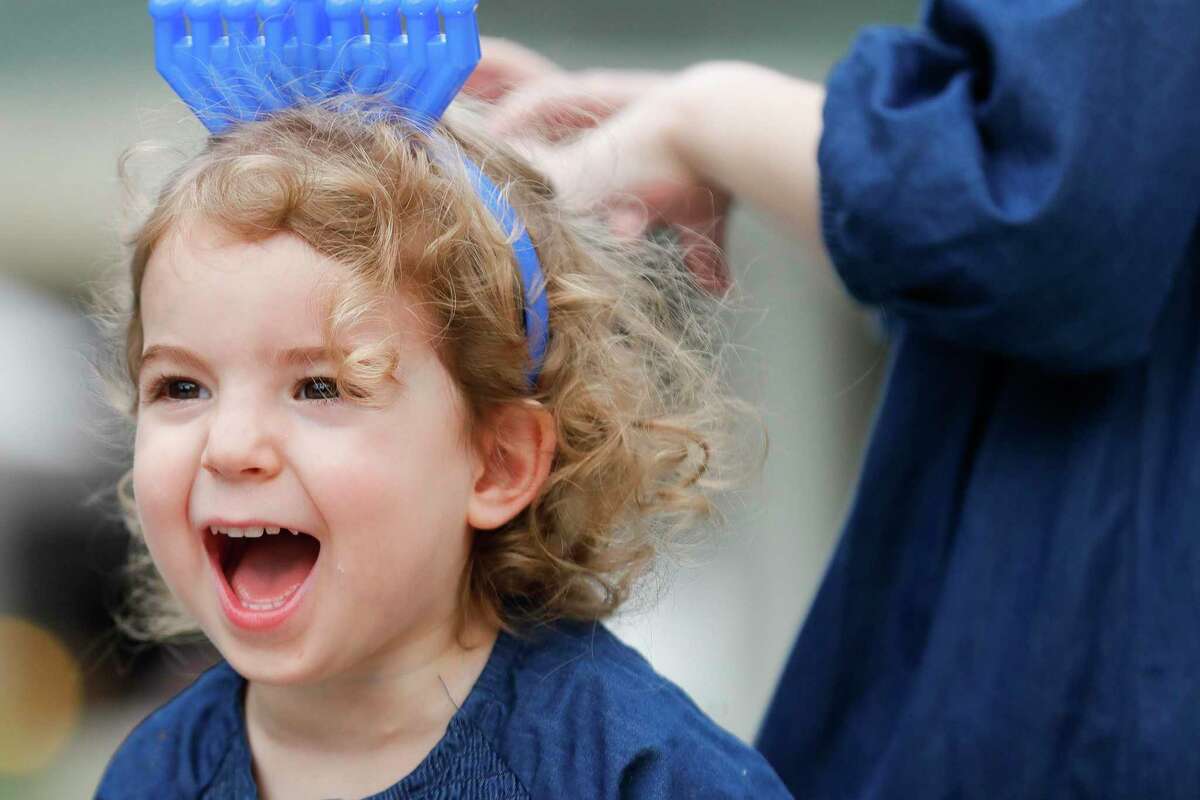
[238, 60]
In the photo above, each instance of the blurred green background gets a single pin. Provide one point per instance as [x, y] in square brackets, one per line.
[77, 86]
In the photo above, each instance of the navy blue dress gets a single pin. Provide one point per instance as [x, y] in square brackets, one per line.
[1013, 610]
[570, 712]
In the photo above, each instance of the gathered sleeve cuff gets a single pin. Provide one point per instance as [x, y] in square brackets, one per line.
[1020, 177]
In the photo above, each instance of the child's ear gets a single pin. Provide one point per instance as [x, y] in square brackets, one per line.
[516, 447]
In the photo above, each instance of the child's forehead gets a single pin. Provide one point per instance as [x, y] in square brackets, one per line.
[198, 265]
[201, 275]
[198, 244]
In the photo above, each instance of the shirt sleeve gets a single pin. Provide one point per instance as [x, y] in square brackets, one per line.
[1020, 177]
[699, 769]
[173, 753]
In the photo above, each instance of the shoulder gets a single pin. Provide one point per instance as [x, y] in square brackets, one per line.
[587, 716]
[176, 750]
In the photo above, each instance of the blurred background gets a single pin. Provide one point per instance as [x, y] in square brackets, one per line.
[77, 86]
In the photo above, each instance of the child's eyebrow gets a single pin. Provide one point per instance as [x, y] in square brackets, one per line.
[296, 356]
[302, 356]
[178, 354]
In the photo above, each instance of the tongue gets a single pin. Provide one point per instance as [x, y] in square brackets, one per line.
[273, 566]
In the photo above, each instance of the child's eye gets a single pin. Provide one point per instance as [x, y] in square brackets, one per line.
[184, 390]
[175, 388]
[317, 389]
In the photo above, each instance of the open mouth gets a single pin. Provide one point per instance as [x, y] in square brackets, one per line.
[262, 570]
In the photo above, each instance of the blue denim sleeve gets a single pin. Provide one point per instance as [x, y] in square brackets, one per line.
[1019, 177]
[691, 770]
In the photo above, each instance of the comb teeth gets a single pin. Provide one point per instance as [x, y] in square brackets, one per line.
[236, 60]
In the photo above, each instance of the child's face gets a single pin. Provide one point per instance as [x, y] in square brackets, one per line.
[241, 435]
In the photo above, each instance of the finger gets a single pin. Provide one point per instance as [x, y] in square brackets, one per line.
[698, 215]
[628, 221]
[702, 252]
[552, 108]
[705, 258]
[505, 66]
[562, 103]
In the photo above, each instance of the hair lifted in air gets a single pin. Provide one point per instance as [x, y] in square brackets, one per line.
[632, 376]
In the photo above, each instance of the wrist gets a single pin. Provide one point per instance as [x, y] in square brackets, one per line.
[702, 99]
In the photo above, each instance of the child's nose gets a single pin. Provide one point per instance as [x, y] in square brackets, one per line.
[241, 445]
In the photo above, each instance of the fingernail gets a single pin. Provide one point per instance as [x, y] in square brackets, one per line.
[627, 222]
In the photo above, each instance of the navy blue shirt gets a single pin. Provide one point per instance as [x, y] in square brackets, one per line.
[1013, 610]
[570, 712]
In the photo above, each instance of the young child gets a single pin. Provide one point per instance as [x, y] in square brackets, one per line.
[401, 544]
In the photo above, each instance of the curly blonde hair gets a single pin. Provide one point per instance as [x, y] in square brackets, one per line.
[632, 375]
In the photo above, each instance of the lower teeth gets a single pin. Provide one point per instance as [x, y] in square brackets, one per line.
[263, 606]
[267, 605]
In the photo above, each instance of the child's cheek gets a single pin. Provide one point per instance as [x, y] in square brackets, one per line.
[391, 477]
[395, 498]
[360, 492]
[161, 485]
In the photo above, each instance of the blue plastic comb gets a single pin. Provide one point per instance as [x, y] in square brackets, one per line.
[237, 60]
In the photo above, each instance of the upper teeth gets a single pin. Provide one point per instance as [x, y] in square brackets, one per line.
[252, 532]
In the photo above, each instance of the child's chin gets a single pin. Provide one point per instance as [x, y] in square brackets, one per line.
[269, 660]
[272, 669]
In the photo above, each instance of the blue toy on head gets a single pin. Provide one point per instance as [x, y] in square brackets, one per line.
[235, 61]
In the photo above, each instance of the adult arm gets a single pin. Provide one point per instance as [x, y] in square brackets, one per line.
[1020, 178]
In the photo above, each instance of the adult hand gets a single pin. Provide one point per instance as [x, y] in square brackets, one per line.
[677, 152]
[532, 96]
[505, 66]
[630, 168]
